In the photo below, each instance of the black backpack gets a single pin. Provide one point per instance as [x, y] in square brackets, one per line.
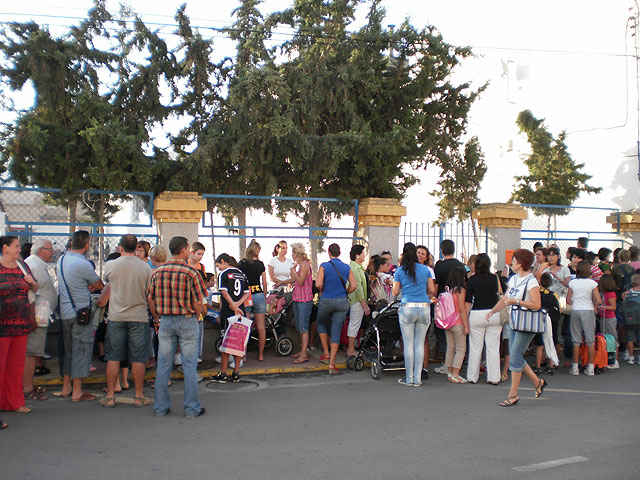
[631, 311]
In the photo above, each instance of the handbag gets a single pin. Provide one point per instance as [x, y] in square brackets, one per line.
[344, 285]
[525, 320]
[504, 315]
[83, 316]
[33, 322]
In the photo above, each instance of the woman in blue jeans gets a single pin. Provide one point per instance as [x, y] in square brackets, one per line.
[335, 280]
[416, 281]
[521, 284]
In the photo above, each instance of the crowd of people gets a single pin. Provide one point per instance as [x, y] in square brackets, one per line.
[149, 306]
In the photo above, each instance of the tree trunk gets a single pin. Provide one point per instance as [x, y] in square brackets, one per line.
[314, 221]
[72, 205]
[213, 244]
[476, 240]
[101, 232]
[548, 229]
[465, 257]
[242, 240]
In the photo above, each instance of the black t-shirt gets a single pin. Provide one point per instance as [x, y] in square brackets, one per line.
[442, 270]
[235, 283]
[253, 269]
[482, 291]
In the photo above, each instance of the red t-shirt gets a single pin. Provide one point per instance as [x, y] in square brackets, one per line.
[607, 302]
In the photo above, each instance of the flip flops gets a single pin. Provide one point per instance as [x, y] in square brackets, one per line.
[85, 397]
[143, 401]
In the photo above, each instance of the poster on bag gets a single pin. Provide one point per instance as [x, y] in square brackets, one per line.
[236, 336]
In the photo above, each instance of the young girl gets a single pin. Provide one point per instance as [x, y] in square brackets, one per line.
[195, 255]
[234, 289]
[608, 322]
[457, 335]
[582, 296]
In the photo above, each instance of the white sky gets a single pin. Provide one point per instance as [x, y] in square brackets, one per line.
[578, 79]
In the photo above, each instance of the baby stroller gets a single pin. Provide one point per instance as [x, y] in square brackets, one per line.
[382, 344]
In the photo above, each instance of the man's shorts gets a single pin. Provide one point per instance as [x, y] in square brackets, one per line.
[127, 341]
[36, 341]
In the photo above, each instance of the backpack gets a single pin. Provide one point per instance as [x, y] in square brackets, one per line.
[626, 280]
[446, 310]
[631, 311]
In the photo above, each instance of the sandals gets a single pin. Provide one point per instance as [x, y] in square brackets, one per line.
[143, 401]
[510, 401]
[85, 397]
[35, 395]
[62, 395]
[504, 377]
[301, 360]
[324, 358]
[540, 388]
[3, 425]
[40, 371]
[22, 410]
[333, 369]
[456, 379]
[108, 402]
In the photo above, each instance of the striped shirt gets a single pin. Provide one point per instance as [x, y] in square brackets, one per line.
[175, 288]
[304, 292]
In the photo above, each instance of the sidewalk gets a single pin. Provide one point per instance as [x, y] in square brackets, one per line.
[273, 364]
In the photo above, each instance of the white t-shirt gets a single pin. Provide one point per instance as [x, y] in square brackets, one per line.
[516, 286]
[581, 293]
[281, 270]
[557, 286]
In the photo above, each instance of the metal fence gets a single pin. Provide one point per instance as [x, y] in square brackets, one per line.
[233, 220]
[45, 213]
[562, 225]
[432, 234]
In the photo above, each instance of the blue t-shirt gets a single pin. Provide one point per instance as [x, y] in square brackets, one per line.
[332, 287]
[79, 274]
[414, 291]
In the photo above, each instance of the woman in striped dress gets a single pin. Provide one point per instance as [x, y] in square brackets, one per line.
[302, 298]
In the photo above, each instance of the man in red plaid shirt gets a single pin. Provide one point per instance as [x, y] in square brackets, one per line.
[175, 299]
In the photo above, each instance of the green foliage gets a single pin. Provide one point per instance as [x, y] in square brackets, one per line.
[554, 178]
[460, 183]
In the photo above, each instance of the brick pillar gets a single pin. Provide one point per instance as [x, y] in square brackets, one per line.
[629, 225]
[503, 223]
[178, 214]
[379, 224]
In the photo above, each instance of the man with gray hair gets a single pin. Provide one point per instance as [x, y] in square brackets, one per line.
[46, 303]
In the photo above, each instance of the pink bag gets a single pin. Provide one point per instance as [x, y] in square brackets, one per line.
[236, 336]
[446, 310]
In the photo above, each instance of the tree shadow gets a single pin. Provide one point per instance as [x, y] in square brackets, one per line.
[625, 181]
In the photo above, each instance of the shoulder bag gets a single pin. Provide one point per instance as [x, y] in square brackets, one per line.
[504, 315]
[344, 285]
[525, 320]
[83, 316]
[33, 322]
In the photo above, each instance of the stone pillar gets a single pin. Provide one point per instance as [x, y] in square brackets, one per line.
[503, 223]
[629, 225]
[178, 214]
[379, 224]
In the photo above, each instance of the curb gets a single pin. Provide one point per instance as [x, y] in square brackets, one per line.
[102, 379]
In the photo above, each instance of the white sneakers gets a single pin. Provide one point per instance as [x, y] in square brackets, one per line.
[589, 371]
[574, 369]
[630, 360]
[614, 366]
[442, 370]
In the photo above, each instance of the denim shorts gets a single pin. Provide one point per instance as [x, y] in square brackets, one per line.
[332, 313]
[259, 304]
[127, 341]
[633, 335]
[302, 313]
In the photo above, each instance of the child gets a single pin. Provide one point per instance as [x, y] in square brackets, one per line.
[633, 334]
[234, 288]
[548, 301]
[582, 296]
[608, 321]
[457, 335]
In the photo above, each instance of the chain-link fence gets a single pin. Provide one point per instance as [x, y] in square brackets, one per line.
[563, 225]
[234, 220]
[49, 213]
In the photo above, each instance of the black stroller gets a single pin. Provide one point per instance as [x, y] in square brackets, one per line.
[382, 344]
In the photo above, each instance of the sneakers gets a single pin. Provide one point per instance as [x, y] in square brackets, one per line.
[574, 369]
[589, 371]
[219, 378]
[625, 355]
[235, 377]
[402, 381]
[442, 370]
[424, 375]
[614, 366]
[630, 360]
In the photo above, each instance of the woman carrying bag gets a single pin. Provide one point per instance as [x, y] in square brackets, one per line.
[523, 297]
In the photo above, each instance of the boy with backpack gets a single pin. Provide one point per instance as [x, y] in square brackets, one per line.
[631, 310]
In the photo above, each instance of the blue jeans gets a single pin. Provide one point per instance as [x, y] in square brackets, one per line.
[332, 313]
[127, 341]
[414, 322]
[518, 344]
[177, 330]
[302, 313]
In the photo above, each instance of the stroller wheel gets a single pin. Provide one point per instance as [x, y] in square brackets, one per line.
[284, 346]
[376, 369]
[218, 344]
[358, 364]
[350, 359]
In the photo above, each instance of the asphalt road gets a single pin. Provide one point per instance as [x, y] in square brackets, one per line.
[347, 426]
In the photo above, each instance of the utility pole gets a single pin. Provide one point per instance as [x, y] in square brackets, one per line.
[634, 34]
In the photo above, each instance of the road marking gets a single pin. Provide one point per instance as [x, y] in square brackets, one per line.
[593, 392]
[550, 464]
